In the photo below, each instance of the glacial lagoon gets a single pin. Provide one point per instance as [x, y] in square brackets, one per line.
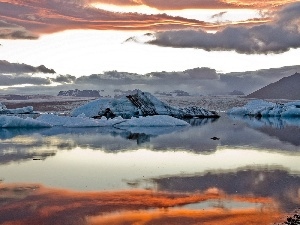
[235, 164]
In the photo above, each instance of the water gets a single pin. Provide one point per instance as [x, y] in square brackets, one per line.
[251, 164]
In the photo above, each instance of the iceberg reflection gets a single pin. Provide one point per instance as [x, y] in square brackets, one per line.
[275, 122]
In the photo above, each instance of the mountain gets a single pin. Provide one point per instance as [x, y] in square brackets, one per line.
[285, 88]
[79, 93]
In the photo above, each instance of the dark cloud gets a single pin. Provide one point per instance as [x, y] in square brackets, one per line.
[10, 80]
[194, 81]
[64, 79]
[202, 73]
[13, 31]
[44, 69]
[17, 68]
[218, 15]
[198, 80]
[278, 36]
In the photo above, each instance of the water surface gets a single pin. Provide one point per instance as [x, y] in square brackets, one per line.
[249, 165]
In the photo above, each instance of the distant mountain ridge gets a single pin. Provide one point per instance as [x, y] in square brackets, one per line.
[79, 93]
[285, 88]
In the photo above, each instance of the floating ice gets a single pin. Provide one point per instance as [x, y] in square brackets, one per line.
[17, 122]
[80, 121]
[260, 108]
[138, 104]
[24, 110]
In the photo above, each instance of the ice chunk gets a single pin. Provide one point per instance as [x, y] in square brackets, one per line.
[67, 121]
[2, 107]
[260, 108]
[17, 122]
[138, 104]
[24, 110]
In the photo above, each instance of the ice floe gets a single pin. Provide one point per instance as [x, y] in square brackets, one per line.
[51, 120]
[23, 110]
[260, 108]
[17, 122]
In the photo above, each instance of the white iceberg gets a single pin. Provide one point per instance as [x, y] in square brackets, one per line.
[138, 104]
[17, 122]
[80, 121]
[260, 108]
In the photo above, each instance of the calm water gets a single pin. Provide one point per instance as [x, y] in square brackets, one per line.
[252, 165]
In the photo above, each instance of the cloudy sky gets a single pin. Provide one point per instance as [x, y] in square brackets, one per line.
[208, 46]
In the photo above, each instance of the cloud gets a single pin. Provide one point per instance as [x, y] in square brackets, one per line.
[27, 19]
[20, 74]
[13, 31]
[218, 15]
[199, 4]
[48, 16]
[278, 36]
[35, 204]
[194, 81]
[9, 80]
[67, 79]
[243, 181]
[17, 68]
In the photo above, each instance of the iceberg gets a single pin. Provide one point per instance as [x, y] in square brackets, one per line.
[17, 122]
[51, 120]
[79, 121]
[137, 104]
[24, 110]
[260, 108]
[82, 121]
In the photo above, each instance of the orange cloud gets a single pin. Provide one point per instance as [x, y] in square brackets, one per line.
[183, 216]
[47, 16]
[200, 4]
[27, 19]
[24, 204]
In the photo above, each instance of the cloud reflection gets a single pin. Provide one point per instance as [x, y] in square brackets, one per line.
[275, 183]
[35, 204]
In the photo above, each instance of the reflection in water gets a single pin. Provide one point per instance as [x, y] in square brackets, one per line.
[277, 184]
[286, 129]
[274, 122]
[247, 182]
[196, 139]
[35, 205]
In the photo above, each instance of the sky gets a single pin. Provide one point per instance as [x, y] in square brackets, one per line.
[203, 46]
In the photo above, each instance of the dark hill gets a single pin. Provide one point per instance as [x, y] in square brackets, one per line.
[285, 88]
